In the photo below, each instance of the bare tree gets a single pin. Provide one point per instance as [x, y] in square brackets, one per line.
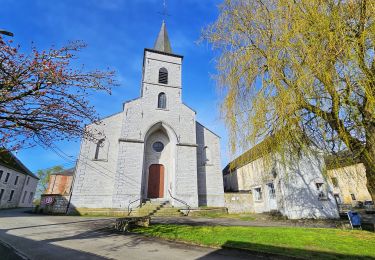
[43, 98]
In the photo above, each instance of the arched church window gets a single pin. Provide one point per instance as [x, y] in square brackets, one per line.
[207, 154]
[99, 145]
[162, 100]
[163, 76]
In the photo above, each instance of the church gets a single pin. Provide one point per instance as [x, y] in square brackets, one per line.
[154, 148]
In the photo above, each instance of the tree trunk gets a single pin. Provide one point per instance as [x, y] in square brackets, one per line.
[370, 174]
[368, 159]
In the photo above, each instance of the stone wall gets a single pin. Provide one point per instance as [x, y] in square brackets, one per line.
[210, 179]
[239, 202]
[58, 205]
[28, 192]
[94, 179]
[350, 180]
[294, 183]
[298, 193]
[23, 190]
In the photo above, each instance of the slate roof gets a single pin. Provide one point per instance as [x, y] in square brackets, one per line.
[332, 161]
[250, 155]
[68, 172]
[162, 42]
[342, 159]
[9, 160]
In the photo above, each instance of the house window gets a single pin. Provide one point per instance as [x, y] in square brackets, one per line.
[31, 197]
[353, 196]
[163, 76]
[24, 196]
[162, 100]
[322, 194]
[99, 145]
[16, 180]
[28, 179]
[1, 174]
[258, 194]
[11, 195]
[7, 177]
[1, 194]
[334, 182]
[271, 190]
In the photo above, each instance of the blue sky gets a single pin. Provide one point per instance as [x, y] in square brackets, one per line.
[116, 32]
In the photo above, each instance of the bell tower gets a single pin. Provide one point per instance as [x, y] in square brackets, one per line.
[162, 70]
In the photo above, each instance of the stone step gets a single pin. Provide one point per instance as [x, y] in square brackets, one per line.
[99, 212]
[168, 214]
[157, 208]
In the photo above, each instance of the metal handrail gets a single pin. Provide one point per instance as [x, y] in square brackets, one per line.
[181, 201]
[131, 209]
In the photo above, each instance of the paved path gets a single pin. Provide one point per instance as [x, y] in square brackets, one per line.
[69, 237]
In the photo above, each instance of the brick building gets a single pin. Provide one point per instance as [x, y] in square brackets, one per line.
[60, 182]
[154, 148]
[17, 183]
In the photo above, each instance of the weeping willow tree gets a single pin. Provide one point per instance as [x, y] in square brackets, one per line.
[302, 71]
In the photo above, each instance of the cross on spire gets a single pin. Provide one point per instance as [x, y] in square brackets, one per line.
[164, 13]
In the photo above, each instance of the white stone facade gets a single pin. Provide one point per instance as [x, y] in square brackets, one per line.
[17, 189]
[297, 190]
[190, 158]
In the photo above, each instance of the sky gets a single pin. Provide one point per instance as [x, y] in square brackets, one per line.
[116, 33]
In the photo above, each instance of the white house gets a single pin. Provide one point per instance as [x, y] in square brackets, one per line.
[17, 183]
[297, 189]
[153, 148]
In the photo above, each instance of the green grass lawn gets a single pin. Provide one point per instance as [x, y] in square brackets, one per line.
[208, 214]
[310, 243]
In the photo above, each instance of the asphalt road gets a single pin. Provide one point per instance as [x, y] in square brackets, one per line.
[29, 236]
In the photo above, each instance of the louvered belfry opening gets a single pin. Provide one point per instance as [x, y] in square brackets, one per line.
[163, 76]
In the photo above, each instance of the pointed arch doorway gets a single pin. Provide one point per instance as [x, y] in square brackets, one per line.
[155, 181]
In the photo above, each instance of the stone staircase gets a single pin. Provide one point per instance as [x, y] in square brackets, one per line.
[156, 208]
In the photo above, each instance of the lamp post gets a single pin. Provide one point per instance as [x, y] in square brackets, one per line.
[7, 33]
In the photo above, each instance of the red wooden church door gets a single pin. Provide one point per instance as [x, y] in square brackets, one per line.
[156, 181]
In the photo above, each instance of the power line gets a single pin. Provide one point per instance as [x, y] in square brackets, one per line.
[88, 163]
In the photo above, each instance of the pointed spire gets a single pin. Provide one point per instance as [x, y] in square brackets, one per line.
[162, 42]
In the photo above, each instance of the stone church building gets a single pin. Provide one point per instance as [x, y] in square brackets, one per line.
[154, 148]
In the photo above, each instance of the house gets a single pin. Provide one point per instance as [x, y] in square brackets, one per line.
[154, 148]
[348, 179]
[17, 183]
[60, 182]
[56, 198]
[297, 188]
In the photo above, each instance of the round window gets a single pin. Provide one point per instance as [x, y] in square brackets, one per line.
[158, 146]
